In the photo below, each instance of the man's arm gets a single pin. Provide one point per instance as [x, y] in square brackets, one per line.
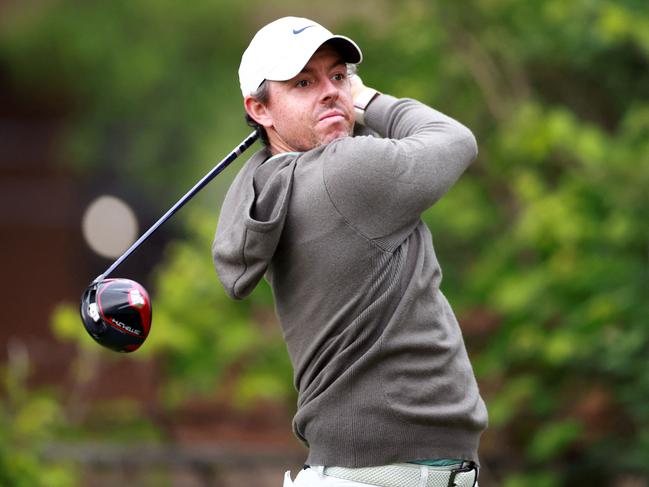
[382, 186]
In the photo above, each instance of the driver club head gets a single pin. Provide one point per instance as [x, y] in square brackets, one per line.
[116, 313]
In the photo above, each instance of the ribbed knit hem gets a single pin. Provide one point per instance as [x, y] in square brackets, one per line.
[407, 443]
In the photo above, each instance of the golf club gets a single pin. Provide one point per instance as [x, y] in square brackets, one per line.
[117, 312]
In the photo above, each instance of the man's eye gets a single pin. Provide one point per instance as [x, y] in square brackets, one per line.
[303, 83]
[339, 76]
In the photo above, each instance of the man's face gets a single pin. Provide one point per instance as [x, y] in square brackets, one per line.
[313, 108]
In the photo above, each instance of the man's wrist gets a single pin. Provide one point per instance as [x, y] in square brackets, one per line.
[361, 100]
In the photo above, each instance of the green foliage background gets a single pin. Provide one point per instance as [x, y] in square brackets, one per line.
[544, 242]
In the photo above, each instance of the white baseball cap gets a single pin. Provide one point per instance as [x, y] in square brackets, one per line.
[281, 49]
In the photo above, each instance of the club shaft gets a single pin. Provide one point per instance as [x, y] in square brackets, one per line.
[247, 142]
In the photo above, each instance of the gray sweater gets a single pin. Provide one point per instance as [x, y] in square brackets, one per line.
[379, 361]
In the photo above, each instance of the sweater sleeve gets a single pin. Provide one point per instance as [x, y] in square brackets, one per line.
[382, 185]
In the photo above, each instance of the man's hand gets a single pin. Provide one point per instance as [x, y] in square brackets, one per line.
[357, 85]
[362, 96]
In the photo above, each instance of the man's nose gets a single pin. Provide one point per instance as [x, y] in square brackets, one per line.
[329, 90]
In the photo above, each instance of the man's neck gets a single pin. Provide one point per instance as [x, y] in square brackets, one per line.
[278, 145]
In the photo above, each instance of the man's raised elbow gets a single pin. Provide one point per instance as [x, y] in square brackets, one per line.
[470, 144]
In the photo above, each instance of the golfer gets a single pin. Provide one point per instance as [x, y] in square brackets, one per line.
[332, 219]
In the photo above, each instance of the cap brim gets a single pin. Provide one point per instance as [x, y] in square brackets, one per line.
[348, 48]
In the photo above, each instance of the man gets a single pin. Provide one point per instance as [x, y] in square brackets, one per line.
[387, 396]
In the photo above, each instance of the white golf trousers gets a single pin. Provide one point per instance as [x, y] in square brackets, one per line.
[314, 477]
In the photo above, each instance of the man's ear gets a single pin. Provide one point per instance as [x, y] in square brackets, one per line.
[258, 112]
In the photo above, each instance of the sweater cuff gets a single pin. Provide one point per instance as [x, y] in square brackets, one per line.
[375, 116]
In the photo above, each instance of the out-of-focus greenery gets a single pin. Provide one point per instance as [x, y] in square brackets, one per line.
[28, 419]
[544, 242]
[147, 84]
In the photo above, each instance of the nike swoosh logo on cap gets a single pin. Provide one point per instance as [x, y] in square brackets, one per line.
[297, 31]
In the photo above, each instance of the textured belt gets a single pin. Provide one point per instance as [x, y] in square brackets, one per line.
[409, 475]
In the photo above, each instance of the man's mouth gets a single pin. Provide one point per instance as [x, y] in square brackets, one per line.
[331, 114]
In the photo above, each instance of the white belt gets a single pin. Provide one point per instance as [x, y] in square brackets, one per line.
[409, 475]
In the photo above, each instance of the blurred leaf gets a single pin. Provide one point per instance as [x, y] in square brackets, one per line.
[28, 419]
[553, 440]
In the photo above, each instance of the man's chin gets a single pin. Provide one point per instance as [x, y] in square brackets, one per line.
[334, 135]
